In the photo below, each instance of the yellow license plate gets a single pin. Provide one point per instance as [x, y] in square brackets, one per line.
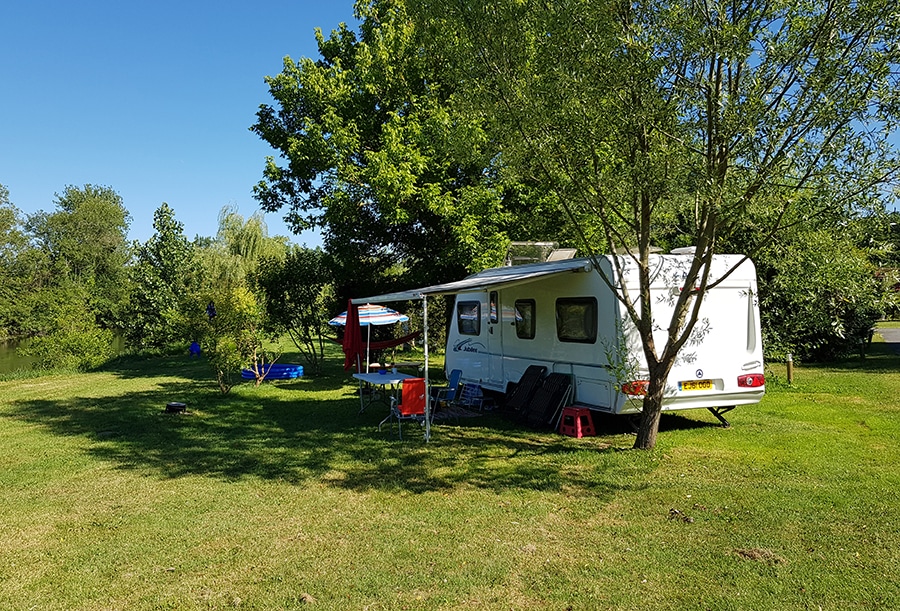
[696, 385]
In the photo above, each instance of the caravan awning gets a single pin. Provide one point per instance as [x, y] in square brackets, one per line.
[491, 278]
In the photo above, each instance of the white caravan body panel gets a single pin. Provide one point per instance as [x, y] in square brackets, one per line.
[572, 322]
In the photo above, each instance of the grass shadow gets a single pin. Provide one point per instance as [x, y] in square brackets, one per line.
[302, 431]
[880, 357]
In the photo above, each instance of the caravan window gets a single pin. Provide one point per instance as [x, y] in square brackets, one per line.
[495, 314]
[525, 318]
[468, 317]
[576, 320]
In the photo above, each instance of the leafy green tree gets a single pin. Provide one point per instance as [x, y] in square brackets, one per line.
[86, 240]
[65, 271]
[225, 311]
[13, 245]
[163, 275]
[249, 239]
[299, 298]
[229, 324]
[818, 296]
[730, 115]
[240, 244]
[404, 188]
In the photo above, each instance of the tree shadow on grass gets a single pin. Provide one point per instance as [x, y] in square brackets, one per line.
[199, 370]
[299, 437]
[881, 357]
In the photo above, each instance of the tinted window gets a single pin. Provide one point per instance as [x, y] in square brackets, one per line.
[576, 320]
[468, 317]
[495, 307]
[525, 318]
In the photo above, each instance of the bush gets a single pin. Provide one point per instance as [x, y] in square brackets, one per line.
[73, 339]
[818, 297]
[81, 349]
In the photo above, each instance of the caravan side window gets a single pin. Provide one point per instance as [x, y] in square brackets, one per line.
[525, 318]
[468, 317]
[495, 308]
[576, 319]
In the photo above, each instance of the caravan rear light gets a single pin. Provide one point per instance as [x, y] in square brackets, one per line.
[751, 380]
[635, 388]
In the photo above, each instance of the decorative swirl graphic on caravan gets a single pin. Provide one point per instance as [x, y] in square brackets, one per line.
[467, 345]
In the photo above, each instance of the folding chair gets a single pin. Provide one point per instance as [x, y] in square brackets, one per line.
[519, 396]
[472, 397]
[444, 394]
[546, 404]
[410, 407]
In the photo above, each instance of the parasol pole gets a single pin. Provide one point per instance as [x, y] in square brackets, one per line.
[368, 343]
[427, 386]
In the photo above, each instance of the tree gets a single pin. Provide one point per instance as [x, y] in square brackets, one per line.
[230, 332]
[225, 312]
[13, 244]
[732, 116]
[405, 189]
[29, 276]
[249, 239]
[819, 296]
[86, 239]
[67, 271]
[163, 276]
[298, 299]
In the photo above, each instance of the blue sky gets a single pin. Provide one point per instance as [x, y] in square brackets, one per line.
[151, 99]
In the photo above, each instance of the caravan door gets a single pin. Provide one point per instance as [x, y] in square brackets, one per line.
[495, 343]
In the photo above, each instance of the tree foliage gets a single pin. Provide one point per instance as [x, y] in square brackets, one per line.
[814, 306]
[226, 311]
[13, 266]
[64, 275]
[231, 333]
[70, 337]
[299, 297]
[725, 117]
[85, 240]
[162, 277]
[405, 188]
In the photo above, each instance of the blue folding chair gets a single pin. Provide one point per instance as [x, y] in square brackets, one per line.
[446, 394]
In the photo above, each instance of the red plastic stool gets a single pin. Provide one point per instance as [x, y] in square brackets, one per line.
[576, 422]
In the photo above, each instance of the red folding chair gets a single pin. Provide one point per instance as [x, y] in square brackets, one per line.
[410, 407]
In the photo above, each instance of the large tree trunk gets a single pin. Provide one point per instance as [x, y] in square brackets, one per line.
[650, 414]
[652, 407]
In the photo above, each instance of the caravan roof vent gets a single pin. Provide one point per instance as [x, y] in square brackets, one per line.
[561, 254]
[633, 250]
[684, 250]
[522, 253]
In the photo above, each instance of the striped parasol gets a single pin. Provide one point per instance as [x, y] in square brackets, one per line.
[371, 315]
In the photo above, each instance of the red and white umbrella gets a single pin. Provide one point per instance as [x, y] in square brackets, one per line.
[368, 314]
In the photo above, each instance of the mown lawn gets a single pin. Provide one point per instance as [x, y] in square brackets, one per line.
[283, 496]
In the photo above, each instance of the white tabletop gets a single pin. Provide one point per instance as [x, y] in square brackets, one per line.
[383, 379]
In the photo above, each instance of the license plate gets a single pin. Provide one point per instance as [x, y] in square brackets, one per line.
[696, 385]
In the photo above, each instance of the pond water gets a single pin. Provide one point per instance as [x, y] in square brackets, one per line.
[11, 360]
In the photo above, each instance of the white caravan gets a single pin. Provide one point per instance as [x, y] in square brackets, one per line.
[563, 316]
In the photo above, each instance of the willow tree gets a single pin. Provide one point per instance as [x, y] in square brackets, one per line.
[737, 116]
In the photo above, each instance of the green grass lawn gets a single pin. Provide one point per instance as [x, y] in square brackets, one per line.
[283, 495]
